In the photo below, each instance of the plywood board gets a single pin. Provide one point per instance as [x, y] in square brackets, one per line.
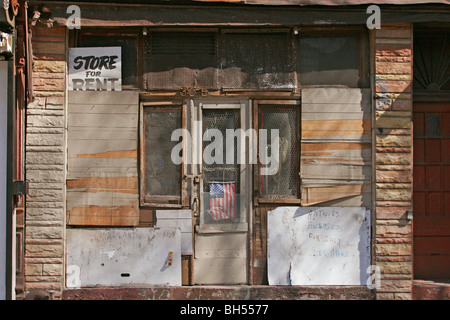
[123, 256]
[318, 246]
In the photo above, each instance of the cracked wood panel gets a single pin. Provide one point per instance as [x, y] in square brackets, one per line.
[336, 147]
[102, 173]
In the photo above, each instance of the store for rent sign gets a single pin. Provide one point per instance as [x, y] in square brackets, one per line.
[95, 69]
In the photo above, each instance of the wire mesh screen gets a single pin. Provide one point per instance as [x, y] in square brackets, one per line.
[220, 162]
[162, 174]
[175, 60]
[219, 60]
[221, 170]
[256, 60]
[284, 182]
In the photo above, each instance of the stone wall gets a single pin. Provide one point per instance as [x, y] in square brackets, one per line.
[45, 164]
[393, 233]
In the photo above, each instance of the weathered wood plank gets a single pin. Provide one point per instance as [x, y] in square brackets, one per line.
[96, 133]
[92, 108]
[104, 216]
[335, 96]
[106, 120]
[105, 98]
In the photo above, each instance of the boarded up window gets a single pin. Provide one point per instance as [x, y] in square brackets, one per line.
[129, 46]
[332, 59]
[183, 59]
[102, 169]
[336, 147]
[257, 60]
[161, 176]
[283, 183]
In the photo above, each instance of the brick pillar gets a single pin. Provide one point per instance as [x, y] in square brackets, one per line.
[45, 164]
[393, 239]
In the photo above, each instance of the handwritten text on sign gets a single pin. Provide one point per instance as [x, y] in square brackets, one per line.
[318, 245]
[95, 69]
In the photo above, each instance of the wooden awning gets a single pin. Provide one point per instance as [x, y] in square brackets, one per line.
[117, 13]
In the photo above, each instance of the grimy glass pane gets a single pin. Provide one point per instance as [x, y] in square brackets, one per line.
[220, 120]
[221, 180]
[329, 60]
[433, 124]
[284, 182]
[162, 176]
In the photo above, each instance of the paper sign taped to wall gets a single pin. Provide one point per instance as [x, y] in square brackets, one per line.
[95, 69]
[318, 245]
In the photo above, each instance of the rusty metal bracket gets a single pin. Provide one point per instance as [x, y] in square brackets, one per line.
[192, 91]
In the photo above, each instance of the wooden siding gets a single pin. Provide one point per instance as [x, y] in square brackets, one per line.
[102, 177]
[336, 147]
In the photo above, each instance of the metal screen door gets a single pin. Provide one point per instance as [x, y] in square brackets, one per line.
[223, 190]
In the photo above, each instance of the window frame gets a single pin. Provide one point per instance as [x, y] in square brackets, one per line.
[160, 201]
[257, 197]
[363, 50]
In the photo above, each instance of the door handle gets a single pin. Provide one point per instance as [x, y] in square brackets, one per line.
[195, 206]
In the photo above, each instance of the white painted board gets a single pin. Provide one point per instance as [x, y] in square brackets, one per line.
[123, 256]
[181, 219]
[318, 246]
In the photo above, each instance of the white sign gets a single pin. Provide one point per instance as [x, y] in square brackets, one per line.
[318, 246]
[123, 256]
[95, 69]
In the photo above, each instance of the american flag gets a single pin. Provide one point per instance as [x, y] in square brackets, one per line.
[222, 200]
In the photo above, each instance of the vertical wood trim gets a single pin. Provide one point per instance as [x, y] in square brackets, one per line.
[141, 154]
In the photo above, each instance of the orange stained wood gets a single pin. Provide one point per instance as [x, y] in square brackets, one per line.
[111, 154]
[319, 128]
[315, 195]
[104, 215]
[112, 183]
[327, 146]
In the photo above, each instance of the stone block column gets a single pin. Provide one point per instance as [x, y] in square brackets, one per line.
[394, 159]
[45, 164]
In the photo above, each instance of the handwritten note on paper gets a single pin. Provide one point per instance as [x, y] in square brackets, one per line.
[318, 245]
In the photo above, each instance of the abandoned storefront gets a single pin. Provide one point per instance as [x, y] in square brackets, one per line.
[193, 147]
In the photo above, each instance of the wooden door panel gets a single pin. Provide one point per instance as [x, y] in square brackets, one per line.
[432, 226]
[431, 267]
[431, 193]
